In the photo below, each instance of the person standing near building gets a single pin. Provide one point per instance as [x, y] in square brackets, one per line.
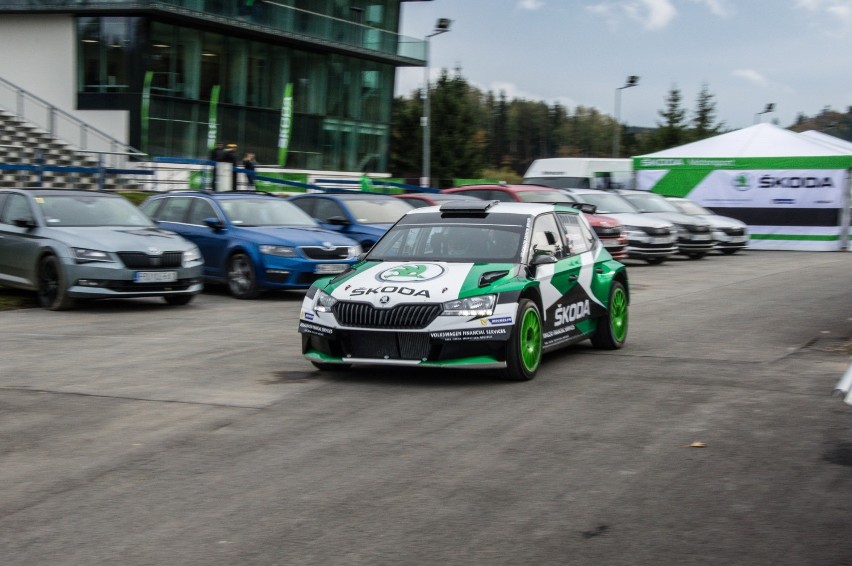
[217, 154]
[249, 165]
[231, 157]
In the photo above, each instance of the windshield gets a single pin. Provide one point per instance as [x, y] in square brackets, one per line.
[458, 242]
[84, 210]
[607, 203]
[690, 208]
[265, 212]
[543, 196]
[651, 203]
[378, 211]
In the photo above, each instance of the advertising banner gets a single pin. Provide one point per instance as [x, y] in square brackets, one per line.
[286, 122]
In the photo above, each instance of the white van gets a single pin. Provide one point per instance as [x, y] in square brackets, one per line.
[581, 173]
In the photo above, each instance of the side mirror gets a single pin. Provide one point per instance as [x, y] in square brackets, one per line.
[214, 223]
[338, 221]
[24, 223]
[542, 259]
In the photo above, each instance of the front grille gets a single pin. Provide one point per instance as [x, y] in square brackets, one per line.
[734, 231]
[657, 231]
[365, 315]
[603, 232]
[141, 260]
[387, 345]
[130, 287]
[340, 252]
[698, 228]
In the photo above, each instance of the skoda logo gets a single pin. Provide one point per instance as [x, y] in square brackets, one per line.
[154, 251]
[384, 300]
[742, 182]
[327, 246]
[410, 272]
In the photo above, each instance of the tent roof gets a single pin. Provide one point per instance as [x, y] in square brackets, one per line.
[833, 141]
[760, 140]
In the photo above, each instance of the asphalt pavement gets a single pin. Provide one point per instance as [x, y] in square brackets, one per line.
[133, 432]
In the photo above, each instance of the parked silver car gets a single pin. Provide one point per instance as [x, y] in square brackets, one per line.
[730, 234]
[71, 244]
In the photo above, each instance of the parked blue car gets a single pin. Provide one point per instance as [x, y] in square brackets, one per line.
[364, 217]
[253, 241]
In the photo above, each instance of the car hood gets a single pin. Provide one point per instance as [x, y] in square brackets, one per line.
[637, 219]
[296, 236]
[385, 284]
[718, 221]
[678, 218]
[116, 238]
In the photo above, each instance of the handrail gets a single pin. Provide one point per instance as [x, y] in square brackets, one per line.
[60, 124]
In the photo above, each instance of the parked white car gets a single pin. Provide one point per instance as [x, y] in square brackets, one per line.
[730, 234]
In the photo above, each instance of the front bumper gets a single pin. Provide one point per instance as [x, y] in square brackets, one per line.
[111, 280]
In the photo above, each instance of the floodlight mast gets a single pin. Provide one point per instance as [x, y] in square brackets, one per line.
[441, 26]
[631, 81]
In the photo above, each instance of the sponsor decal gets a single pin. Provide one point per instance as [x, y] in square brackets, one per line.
[783, 201]
[470, 334]
[315, 329]
[389, 289]
[770, 181]
[742, 182]
[571, 313]
[411, 272]
[668, 162]
[500, 320]
[547, 336]
[308, 315]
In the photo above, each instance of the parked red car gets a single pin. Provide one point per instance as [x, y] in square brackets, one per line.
[609, 230]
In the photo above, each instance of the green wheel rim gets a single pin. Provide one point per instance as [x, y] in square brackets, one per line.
[618, 314]
[530, 340]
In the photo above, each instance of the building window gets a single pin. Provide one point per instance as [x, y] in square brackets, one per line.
[105, 47]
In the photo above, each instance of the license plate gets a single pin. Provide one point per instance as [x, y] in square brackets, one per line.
[738, 239]
[702, 237]
[155, 276]
[661, 240]
[330, 268]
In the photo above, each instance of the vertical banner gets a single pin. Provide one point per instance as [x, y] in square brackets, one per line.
[146, 109]
[212, 123]
[286, 121]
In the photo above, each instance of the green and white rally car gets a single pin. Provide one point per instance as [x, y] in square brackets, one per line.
[470, 284]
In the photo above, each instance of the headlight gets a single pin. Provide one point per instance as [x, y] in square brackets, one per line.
[191, 255]
[283, 251]
[324, 302]
[83, 255]
[355, 251]
[482, 305]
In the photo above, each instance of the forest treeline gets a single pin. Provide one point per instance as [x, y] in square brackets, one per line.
[477, 134]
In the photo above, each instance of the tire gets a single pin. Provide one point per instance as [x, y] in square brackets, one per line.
[697, 255]
[331, 367]
[178, 300]
[655, 260]
[242, 280]
[729, 251]
[52, 285]
[523, 355]
[611, 331]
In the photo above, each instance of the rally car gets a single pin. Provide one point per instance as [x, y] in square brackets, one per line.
[470, 284]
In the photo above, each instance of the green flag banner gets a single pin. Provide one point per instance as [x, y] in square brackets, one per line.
[286, 121]
[212, 123]
[146, 108]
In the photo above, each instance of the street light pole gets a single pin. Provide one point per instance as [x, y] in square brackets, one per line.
[770, 107]
[441, 26]
[632, 80]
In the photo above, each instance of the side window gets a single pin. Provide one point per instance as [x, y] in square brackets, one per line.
[16, 208]
[2, 200]
[327, 208]
[200, 210]
[306, 204]
[546, 239]
[150, 207]
[173, 210]
[502, 196]
[576, 236]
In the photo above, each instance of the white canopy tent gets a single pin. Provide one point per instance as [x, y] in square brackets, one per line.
[793, 190]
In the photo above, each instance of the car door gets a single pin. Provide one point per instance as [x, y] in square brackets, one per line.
[19, 245]
[565, 298]
[212, 242]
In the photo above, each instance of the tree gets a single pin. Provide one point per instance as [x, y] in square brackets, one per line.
[703, 125]
[455, 146]
[673, 131]
[406, 136]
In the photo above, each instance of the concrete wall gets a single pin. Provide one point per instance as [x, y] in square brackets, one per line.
[39, 54]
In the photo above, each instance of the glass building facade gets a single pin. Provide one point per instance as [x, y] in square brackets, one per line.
[193, 71]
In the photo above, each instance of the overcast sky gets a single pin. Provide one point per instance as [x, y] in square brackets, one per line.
[796, 54]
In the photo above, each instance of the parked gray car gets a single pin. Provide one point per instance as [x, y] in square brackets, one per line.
[71, 244]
